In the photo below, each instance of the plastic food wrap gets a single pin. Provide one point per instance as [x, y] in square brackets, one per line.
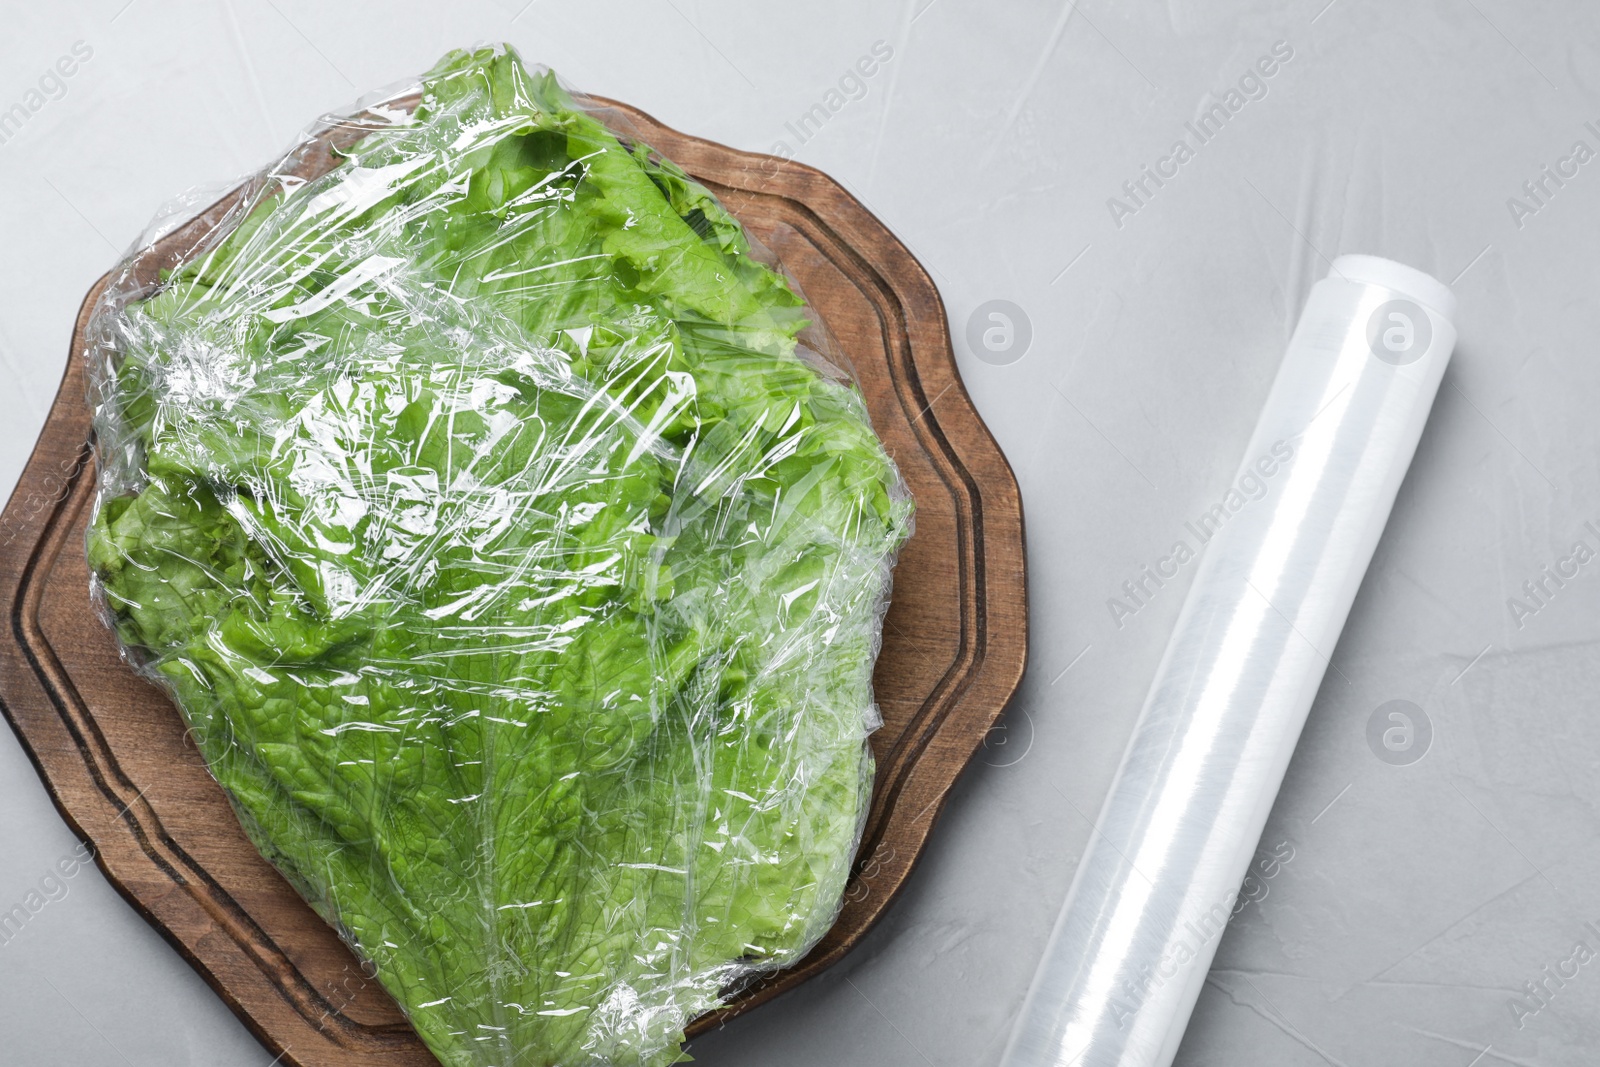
[1161, 875]
[511, 538]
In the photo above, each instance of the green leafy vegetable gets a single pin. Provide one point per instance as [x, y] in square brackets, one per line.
[517, 566]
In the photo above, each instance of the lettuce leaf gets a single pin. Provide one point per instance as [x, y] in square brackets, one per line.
[517, 566]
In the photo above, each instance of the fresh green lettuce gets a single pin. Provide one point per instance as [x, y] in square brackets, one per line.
[516, 563]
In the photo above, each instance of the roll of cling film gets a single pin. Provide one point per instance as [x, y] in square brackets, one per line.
[1168, 861]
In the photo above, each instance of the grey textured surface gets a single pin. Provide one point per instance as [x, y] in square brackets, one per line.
[1421, 899]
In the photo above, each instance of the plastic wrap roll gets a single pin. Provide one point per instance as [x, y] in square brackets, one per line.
[1161, 873]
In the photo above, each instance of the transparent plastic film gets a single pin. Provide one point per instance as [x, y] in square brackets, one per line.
[515, 542]
[1162, 872]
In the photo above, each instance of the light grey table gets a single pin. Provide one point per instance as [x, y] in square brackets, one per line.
[1431, 905]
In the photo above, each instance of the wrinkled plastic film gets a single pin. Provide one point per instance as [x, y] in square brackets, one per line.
[515, 542]
[1161, 874]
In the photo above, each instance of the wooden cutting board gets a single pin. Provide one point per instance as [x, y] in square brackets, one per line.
[113, 752]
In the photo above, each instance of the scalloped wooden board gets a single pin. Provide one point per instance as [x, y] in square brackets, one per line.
[113, 752]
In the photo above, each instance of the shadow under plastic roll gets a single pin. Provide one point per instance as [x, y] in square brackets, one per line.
[1162, 871]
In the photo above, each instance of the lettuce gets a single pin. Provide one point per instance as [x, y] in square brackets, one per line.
[517, 566]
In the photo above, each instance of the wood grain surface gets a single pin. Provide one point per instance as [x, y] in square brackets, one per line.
[113, 751]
